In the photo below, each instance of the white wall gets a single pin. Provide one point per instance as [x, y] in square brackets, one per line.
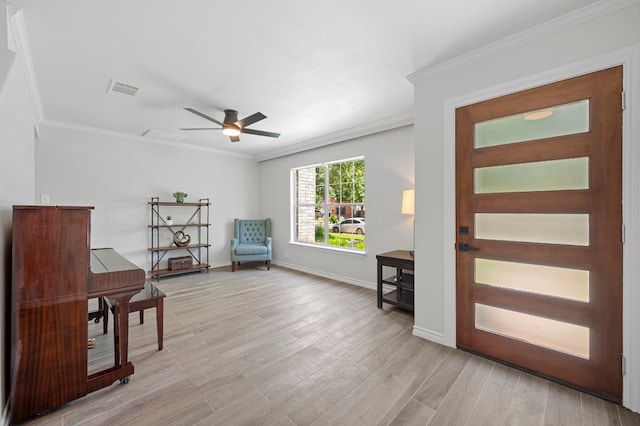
[118, 175]
[388, 171]
[553, 51]
[17, 121]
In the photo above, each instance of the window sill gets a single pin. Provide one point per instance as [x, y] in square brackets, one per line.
[337, 250]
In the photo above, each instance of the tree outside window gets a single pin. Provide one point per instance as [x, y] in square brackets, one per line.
[329, 204]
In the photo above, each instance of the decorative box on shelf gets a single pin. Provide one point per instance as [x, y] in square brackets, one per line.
[182, 262]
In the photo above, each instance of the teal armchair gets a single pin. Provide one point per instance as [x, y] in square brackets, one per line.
[251, 242]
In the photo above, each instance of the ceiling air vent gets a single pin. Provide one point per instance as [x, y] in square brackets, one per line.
[125, 89]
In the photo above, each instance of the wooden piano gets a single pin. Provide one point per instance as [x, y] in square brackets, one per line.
[54, 274]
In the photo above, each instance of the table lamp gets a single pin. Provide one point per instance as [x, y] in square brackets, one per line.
[408, 207]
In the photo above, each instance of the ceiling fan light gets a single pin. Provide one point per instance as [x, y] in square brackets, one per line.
[231, 130]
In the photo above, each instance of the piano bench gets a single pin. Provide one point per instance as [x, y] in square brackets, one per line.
[149, 297]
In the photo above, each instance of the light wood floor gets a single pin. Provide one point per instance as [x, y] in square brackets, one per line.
[284, 348]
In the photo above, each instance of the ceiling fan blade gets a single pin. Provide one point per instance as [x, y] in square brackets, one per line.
[260, 133]
[206, 117]
[234, 138]
[200, 128]
[247, 121]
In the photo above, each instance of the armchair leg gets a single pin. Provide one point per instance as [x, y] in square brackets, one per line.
[233, 266]
[268, 265]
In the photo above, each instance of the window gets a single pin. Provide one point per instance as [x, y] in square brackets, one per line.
[328, 204]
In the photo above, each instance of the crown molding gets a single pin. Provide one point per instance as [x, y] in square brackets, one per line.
[5, 11]
[341, 136]
[23, 49]
[119, 135]
[365, 129]
[544, 30]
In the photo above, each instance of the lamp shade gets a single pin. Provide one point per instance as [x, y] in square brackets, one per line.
[408, 201]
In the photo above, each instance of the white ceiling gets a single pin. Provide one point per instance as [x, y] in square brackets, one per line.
[313, 68]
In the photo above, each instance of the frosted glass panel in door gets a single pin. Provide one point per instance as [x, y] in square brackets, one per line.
[570, 229]
[555, 175]
[552, 281]
[559, 120]
[556, 335]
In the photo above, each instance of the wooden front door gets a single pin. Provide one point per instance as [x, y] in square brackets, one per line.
[539, 220]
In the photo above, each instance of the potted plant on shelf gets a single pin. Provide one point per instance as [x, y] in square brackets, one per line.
[180, 196]
[169, 222]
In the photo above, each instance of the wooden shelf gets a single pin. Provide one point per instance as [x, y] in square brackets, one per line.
[173, 203]
[179, 225]
[405, 283]
[405, 302]
[166, 272]
[169, 248]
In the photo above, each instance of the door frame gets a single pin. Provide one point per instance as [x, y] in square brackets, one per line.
[629, 58]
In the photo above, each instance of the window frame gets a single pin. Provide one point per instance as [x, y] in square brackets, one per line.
[325, 205]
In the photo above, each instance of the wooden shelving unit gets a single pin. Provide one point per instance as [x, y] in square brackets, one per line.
[191, 219]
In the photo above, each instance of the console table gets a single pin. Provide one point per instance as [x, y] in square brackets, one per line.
[395, 270]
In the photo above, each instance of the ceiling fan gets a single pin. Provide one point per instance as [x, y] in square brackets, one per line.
[231, 126]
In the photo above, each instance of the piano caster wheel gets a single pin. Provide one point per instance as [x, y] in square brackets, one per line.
[124, 381]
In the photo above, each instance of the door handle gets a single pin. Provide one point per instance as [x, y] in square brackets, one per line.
[467, 247]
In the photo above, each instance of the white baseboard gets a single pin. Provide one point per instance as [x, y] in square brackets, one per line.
[222, 264]
[325, 274]
[430, 335]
